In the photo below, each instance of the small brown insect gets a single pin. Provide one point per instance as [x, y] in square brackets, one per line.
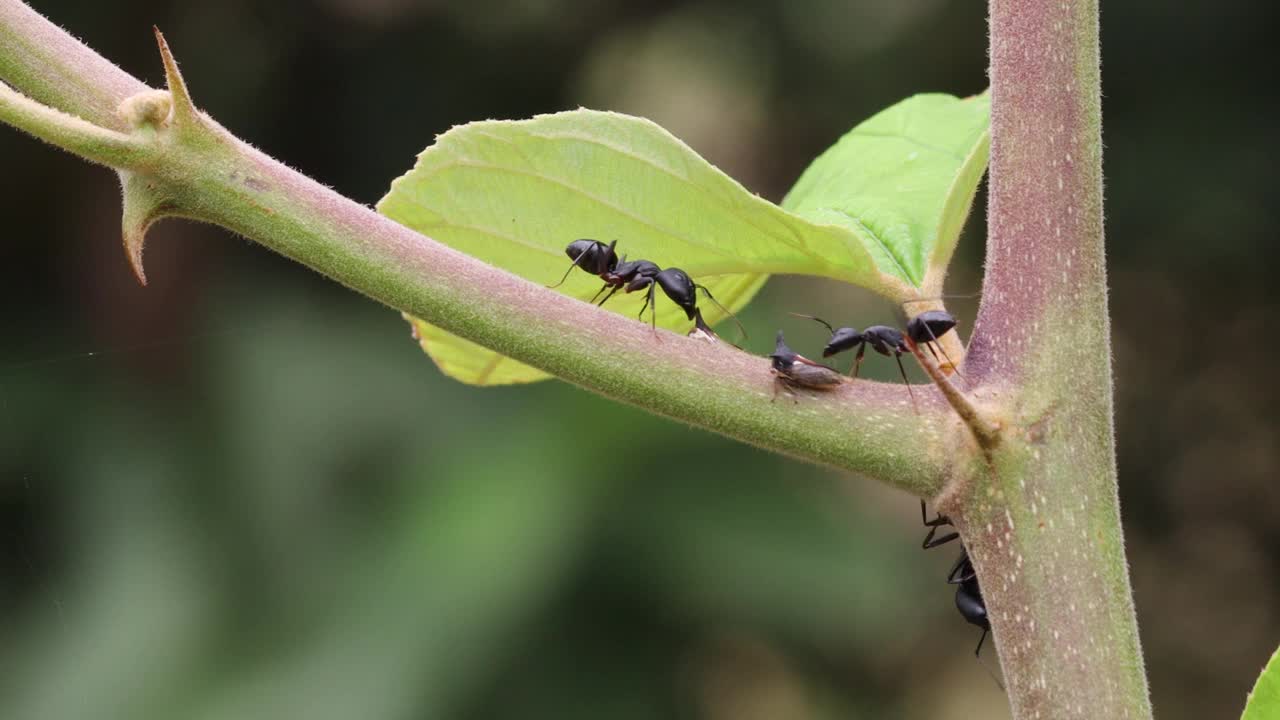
[792, 370]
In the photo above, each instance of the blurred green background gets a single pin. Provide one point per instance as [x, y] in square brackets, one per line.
[243, 492]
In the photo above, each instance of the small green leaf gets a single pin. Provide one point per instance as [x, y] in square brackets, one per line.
[903, 182]
[1264, 701]
[515, 193]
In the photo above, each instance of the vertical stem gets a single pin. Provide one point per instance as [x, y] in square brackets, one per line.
[1042, 521]
[1045, 241]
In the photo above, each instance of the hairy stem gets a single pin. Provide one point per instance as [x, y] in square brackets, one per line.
[50, 66]
[85, 139]
[1042, 523]
[193, 168]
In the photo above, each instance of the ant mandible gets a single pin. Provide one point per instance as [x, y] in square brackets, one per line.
[629, 276]
[963, 575]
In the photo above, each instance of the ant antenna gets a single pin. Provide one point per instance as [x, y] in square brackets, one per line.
[812, 317]
[712, 298]
[566, 272]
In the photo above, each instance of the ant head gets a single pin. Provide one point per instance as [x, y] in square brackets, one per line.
[592, 255]
[846, 338]
[576, 248]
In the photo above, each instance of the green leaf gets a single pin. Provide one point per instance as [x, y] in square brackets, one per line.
[903, 182]
[1264, 701]
[515, 193]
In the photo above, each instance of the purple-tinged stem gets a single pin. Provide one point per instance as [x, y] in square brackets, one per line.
[1041, 521]
[1045, 237]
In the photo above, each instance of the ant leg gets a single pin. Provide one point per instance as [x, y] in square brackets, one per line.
[959, 575]
[898, 356]
[725, 310]
[934, 341]
[934, 525]
[639, 283]
[653, 314]
[930, 543]
[647, 298]
[978, 651]
[606, 297]
[857, 359]
[940, 519]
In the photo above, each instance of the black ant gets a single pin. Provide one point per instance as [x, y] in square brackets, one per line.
[792, 370]
[599, 259]
[963, 575]
[883, 339]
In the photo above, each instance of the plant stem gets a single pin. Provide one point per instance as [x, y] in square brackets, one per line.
[1042, 523]
[1036, 503]
[50, 66]
[85, 139]
[194, 168]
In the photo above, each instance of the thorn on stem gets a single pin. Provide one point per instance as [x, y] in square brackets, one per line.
[143, 206]
[184, 111]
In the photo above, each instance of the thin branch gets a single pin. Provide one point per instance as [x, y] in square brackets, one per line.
[100, 145]
[984, 430]
[205, 173]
